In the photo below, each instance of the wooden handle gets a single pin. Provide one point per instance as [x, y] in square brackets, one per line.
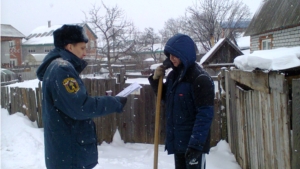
[157, 119]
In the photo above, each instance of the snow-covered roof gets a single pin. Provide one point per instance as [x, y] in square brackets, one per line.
[41, 35]
[10, 31]
[205, 57]
[39, 57]
[275, 59]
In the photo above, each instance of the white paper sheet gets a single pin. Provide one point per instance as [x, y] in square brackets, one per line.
[129, 89]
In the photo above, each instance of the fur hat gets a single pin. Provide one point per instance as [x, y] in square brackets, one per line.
[69, 34]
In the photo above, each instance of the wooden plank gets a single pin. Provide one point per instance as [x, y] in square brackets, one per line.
[278, 130]
[25, 103]
[285, 130]
[277, 82]
[215, 130]
[274, 131]
[240, 156]
[246, 129]
[13, 100]
[254, 132]
[266, 120]
[296, 124]
[39, 105]
[32, 103]
[257, 81]
[227, 81]
[260, 142]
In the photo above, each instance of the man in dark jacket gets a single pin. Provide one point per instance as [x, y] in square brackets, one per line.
[69, 131]
[188, 94]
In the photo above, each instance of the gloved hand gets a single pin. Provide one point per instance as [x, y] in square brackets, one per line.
[123, 100]
[192, 156]
[159, 71]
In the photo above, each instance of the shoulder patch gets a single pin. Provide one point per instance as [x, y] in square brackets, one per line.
[71, 85]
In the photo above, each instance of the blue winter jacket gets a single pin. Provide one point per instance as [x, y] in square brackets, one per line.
[69, 131]
[188, 94]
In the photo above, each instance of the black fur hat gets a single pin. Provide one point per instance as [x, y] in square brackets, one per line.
[69, 34]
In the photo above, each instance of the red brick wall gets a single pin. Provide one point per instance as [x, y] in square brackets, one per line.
[91, 51]
[15, 51]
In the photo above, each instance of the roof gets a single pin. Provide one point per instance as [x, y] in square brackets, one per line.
[274, 15]
[44, 34]
[10, 31]
[39, 57]
[236, 24]
[215, 48]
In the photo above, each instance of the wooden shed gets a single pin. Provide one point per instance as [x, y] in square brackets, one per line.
[224, 52]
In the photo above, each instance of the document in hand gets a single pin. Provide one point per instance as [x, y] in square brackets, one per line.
[129, 89]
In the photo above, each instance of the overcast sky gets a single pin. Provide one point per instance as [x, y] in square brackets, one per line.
[26, 15]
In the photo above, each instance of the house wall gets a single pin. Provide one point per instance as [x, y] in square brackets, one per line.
[92, 44]
[281, 38]
[27, 49]
[15, 52]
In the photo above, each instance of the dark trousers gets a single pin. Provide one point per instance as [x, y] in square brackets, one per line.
[182, 163]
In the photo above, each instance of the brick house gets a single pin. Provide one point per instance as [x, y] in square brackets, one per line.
[11, 48]
[40, 42]
[276, 24]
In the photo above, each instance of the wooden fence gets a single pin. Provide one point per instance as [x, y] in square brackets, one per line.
[136, 124]
[263, 119]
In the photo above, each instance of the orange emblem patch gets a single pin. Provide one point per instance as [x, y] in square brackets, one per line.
[71, 85]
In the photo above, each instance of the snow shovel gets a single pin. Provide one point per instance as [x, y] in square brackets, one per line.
[157, 118]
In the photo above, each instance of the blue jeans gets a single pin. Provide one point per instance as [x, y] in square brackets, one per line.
[182, 163]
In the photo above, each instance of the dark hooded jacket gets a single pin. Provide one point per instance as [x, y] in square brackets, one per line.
[188, 94]
[69, 131]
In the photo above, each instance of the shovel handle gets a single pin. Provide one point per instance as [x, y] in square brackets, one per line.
[157, 119]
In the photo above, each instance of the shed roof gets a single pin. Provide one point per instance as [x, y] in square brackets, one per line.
[10, 31]
[274, 15]
[215, 48]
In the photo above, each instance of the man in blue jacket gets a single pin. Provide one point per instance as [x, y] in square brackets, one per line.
[69, 131]
[188, 94]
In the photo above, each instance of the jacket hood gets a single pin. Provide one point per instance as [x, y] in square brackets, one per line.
[78, 63]
[183, 47]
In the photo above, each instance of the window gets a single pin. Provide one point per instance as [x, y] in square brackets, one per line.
[31, 50]
[92, 44]
[11, 43]
[48, 49]
[266, 44]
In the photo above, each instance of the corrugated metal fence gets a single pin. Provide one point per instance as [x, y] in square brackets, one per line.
[136, 124]
[260, 115]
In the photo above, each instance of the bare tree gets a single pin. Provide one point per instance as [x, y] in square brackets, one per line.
[207, 17]
[151, 43]
[114, 31]
[172, 27]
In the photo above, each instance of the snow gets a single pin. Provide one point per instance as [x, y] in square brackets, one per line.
[22, 147]
[243, 42]
[274, 59]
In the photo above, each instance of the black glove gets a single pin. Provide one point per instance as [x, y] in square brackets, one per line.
[123, 100]
[192, 156]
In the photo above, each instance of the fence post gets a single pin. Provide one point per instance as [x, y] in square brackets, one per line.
[296, 124]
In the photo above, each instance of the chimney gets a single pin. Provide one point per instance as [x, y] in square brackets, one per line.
[49, 24]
